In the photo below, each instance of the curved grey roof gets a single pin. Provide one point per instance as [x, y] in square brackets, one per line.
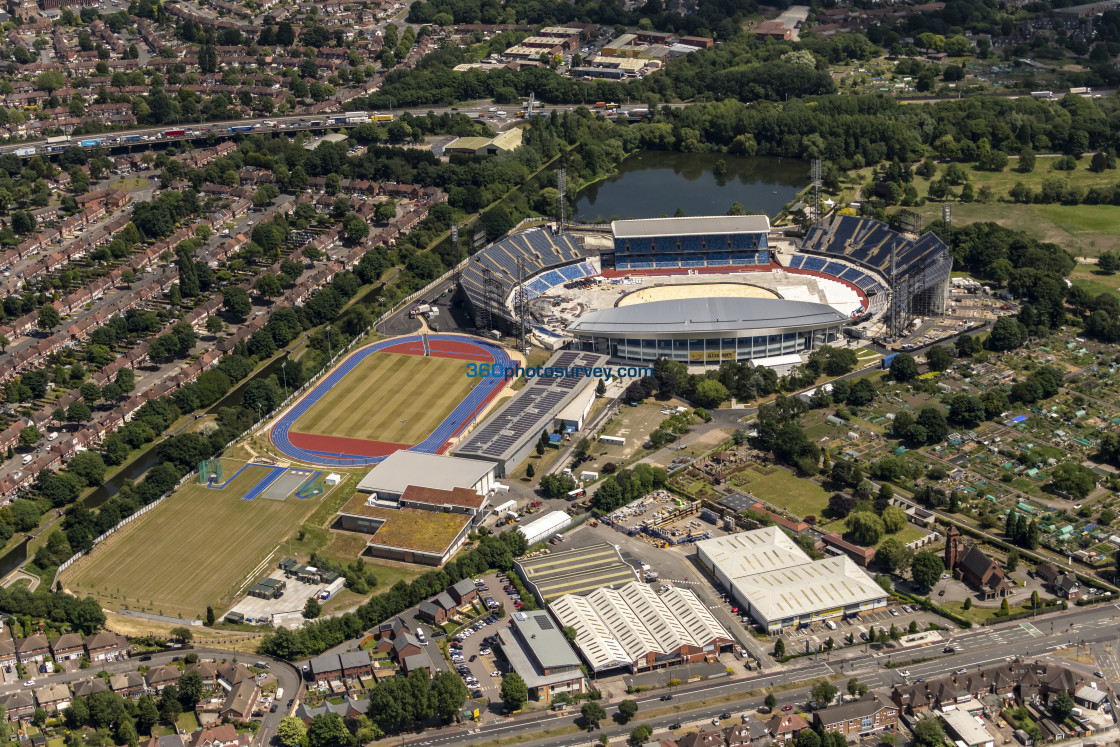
[707, 315]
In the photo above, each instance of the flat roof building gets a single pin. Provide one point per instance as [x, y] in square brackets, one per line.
[428, 537]
[780, 587]
[578, 571]
[637, 629]
[704, 225]
[537, 650]
[404, 468]
[967, 729]
[507, 436]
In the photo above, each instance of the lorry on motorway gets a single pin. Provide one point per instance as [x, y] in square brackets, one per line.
[357, 117]
[241, 128]
[174, 133]
[29, 151]
[131, 138]
[91, 142]
[1042, 94]
[381, 117]
[57, 139]
[1081, 90]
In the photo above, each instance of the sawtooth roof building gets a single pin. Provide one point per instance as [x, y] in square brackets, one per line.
[781, 587]
[635, 628]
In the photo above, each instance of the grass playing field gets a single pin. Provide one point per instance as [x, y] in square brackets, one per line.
[192, 550]
[371, 401]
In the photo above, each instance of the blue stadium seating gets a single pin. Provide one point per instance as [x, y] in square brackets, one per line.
[691, 244]
[719, 259]
[763, 258]
[833, 268]
[813, 263]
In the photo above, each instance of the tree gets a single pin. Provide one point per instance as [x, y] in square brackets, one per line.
[268, 285]
[627, 709]
[312, 608]
[940, 357]
[329, 730]
[592, 714]
[169, 707]
[771, 701]
[928, 733]
[291, 731]
[1074, 479]
[865, 528]
[824, 692]
[49, 318]
[600, 388]
[710, 393]
[779, 649]
[78, 412]
[903, 367]
[513, 692]
[926, 569]
[447, 695]
[894, 519]
[182, 635]
[210, 618]
[29, 436]
[190, 689]
[855, 688]
[1007, 334]
[5, 342]
[640, 734]
[530, 471]
[1061, 707]
[356, 228]
[235, 300]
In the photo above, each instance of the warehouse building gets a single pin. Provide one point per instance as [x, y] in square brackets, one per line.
[780, 587]
[577, 571]
[546, 527]
[634, 628]
[538, 651]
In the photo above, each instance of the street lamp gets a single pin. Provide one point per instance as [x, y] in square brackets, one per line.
[284, 372]
[330, 350]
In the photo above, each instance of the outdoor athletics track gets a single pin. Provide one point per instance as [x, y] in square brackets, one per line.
[272, 476]
[332, 450]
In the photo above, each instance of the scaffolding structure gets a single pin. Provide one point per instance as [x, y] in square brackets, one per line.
[815, 194]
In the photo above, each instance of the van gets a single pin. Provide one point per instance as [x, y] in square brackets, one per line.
[27, 459]
[559, 538]
[52, 436]
[1076, 711]
[830, 624]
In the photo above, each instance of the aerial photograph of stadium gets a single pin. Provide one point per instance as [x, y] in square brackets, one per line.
[482, 374]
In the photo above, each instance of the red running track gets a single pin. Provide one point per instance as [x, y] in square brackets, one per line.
[342, 445]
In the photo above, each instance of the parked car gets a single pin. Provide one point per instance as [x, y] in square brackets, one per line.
[787, 708]
[675, 726]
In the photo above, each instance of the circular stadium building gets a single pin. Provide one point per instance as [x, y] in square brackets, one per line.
[708, 331]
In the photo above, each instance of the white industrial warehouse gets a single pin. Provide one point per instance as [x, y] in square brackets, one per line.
[780, 587]
[545, 527]
[635, 628]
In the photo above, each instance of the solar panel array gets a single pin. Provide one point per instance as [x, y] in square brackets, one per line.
[531, 410]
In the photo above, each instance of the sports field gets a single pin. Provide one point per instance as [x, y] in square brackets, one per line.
[385, 388]
[194, 549]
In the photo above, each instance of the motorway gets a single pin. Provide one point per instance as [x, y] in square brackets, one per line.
[1094, 627]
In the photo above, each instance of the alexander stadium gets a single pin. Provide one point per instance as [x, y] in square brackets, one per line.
[704, 290]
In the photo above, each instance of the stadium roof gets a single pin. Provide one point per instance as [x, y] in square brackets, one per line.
[617, 628]
[697, 315]
[748, 553]
[404, 468]
[530, 412]
[804, 589]
[704, 225]
[575, 571]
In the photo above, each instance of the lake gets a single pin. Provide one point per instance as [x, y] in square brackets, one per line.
[650, 184]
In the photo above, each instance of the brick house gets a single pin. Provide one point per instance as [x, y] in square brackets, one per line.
[356, 664]
[107, 646]
[68, 646]
[53, 698]
[463, 592]
[160, 677]
[405, 646]
[32, 649]
[128, 684]
[239, 704]
[219, 736]
[856, 719]
[784, 727]
[18, 705]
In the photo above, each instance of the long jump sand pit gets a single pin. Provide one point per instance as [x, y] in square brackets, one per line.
[695, 290]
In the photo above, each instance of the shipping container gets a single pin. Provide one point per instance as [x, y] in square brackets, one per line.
[30, 151]
[58, 139]
[174, 133]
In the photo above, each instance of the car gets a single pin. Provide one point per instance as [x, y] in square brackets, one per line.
[905, 672]
[894, 612]
[484, 651]
[1098, 673]
[715, 722]
[476, 693]
[496, 673]
[725, 716]
[962, 671]
[675, 726]
[941, 593]
[148, 657]
[666, 697]
[863, 636]
[473, 657]
[273, 708]
[787, 708]
[948, 650]
[29, 683]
